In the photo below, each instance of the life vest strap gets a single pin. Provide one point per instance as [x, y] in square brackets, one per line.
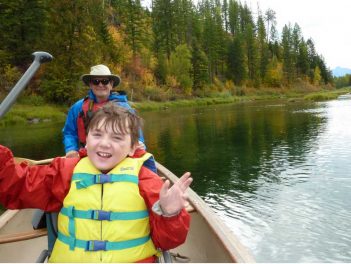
[85, 179]
[97, 245]
[104, 215]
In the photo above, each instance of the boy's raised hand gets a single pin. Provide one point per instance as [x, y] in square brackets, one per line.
[174, 199]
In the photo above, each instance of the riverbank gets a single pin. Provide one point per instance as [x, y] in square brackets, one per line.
[313, 96]
[24, 113]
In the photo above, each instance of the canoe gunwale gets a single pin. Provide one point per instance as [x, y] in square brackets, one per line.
[21, 236]
[18, 236]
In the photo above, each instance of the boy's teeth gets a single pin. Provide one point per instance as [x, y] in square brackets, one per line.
[104, 155]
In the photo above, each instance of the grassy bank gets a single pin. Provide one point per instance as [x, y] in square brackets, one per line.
[290, 95]
[25, 112]
[325, 96]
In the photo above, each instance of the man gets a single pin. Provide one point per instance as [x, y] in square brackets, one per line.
[101, 81]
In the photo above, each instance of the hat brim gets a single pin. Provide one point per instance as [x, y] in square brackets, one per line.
[115, 78]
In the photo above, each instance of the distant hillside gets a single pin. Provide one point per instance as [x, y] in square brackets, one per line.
[338, 71]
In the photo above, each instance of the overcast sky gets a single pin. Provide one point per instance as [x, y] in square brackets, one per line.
[327, 22]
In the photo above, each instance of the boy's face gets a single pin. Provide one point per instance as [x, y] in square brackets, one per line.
[106, 148]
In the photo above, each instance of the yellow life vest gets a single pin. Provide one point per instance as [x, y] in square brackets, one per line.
[104, 218]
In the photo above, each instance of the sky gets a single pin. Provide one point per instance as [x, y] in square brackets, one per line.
[327, 22]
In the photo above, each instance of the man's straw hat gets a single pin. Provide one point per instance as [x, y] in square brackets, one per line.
[100, 71]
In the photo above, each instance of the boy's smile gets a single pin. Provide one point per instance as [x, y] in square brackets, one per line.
[104, 155]
[106, 148]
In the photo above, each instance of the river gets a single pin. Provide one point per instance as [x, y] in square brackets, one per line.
[278, 172]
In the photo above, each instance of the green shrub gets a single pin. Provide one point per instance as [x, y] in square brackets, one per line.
[35, 100]
[60, 91]
[9, 76]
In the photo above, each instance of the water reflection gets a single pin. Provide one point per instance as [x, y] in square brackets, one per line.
[39, 141]
[274, 173]
[237, 146]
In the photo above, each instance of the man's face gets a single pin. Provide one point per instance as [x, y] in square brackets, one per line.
[101, 87]
[106, 149]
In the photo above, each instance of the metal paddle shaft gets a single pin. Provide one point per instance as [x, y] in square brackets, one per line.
[39, 58]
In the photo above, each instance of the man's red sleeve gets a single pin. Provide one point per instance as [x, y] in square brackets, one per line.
[40, 186]
[166, 232]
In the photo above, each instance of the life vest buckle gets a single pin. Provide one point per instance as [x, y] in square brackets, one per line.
[96, 245]
[102, 178]
[101, 215]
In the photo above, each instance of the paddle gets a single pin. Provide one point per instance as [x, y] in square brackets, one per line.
[39, 58]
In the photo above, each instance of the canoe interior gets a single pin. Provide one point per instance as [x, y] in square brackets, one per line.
[209, 239]
[23, 251]
[202, 248]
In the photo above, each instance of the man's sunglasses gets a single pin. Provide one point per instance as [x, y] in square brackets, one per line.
[97, 82]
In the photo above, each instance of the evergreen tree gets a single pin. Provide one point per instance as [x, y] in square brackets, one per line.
[236, 61]
[234, 17]
[135, 26]
[220, 41]
[296, 38]
[22, 25]
[325, 73]
[248, 30]
[225, 15]
[246, 18]
[199, 67]
[303, 65]
[262, 47]
[288, 60]
[183, 15]
[252, 55]
[163, 17]
[209, 42]
[162, 68]
[312, 57]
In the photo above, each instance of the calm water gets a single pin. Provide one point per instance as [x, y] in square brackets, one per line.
[277, 173]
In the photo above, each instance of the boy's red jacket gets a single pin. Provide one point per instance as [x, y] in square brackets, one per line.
[45, 187]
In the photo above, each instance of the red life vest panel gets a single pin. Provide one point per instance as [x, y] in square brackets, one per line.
[84, 117]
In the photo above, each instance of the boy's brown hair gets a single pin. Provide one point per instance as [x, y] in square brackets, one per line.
[122, 121]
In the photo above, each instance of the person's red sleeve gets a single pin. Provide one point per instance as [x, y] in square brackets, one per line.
[41, 186]
[166, 232]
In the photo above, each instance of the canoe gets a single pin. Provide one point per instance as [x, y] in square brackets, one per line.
[209, 239]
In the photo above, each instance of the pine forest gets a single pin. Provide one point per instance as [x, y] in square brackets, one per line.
[168, 50]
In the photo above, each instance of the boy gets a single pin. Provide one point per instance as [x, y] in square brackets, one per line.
[113, 208]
